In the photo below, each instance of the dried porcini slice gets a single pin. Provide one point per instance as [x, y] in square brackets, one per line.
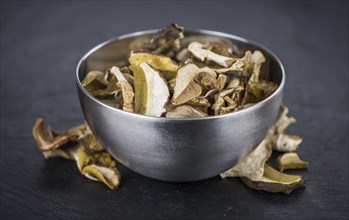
[94, 75]
[290, 161]
[79, 144]
[258, 91]
[280, 141]
[255, 173]
[158, 62]
[191, 81]
[185, 87]
[166, 41]
[151, 90]
[197, 50]
[240, 65]
[274, 181]
[47, 140]
[126, 88]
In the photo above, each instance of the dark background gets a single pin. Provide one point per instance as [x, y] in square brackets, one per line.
[41, 43]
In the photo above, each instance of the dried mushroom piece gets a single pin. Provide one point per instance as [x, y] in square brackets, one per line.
[126, 88]
[256, 174]
[219, 100]
[240, 65]
[251, 166]
[274, 181]
[280, 141]
[290, 161]
[191, 81]
[158, 62]
[79, 144]
[166, 41]
[100, 90]
[258, 91]
[202, 54]
[257, 59]
[185, 111]
[94, 75]
[106, 173]
[185, 87]
[151, 91]
[47, 140]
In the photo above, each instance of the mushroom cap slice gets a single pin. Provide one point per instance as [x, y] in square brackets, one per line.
[158, 62]
[274, 181]
[186, 88]
[290, 161]
[151, 90]
[185, 111]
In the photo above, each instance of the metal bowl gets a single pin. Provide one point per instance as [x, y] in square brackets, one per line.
[170, 149]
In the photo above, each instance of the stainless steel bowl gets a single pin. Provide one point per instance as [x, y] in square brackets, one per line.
[170, 149]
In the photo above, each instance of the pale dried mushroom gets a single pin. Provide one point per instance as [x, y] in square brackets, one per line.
[290, 161]
[94, 75]
[151, 91]
[126, 88]
[256, 174]
[240, 65]
[202, 54]
[158, 62]
[280, 141]
[185, 87]
[274, 181]
[79, 144]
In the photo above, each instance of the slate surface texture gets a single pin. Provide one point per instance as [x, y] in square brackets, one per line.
[41, 43]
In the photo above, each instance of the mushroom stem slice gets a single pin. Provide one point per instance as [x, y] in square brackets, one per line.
[290, 161]
[201, 54]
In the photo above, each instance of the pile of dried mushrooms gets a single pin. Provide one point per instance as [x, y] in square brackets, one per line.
[254, 171]
[199, 80]
[165, 79]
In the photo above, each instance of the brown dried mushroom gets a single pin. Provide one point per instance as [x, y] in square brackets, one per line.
[79, 144]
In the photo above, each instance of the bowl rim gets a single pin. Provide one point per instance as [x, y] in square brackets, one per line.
[194, 31]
